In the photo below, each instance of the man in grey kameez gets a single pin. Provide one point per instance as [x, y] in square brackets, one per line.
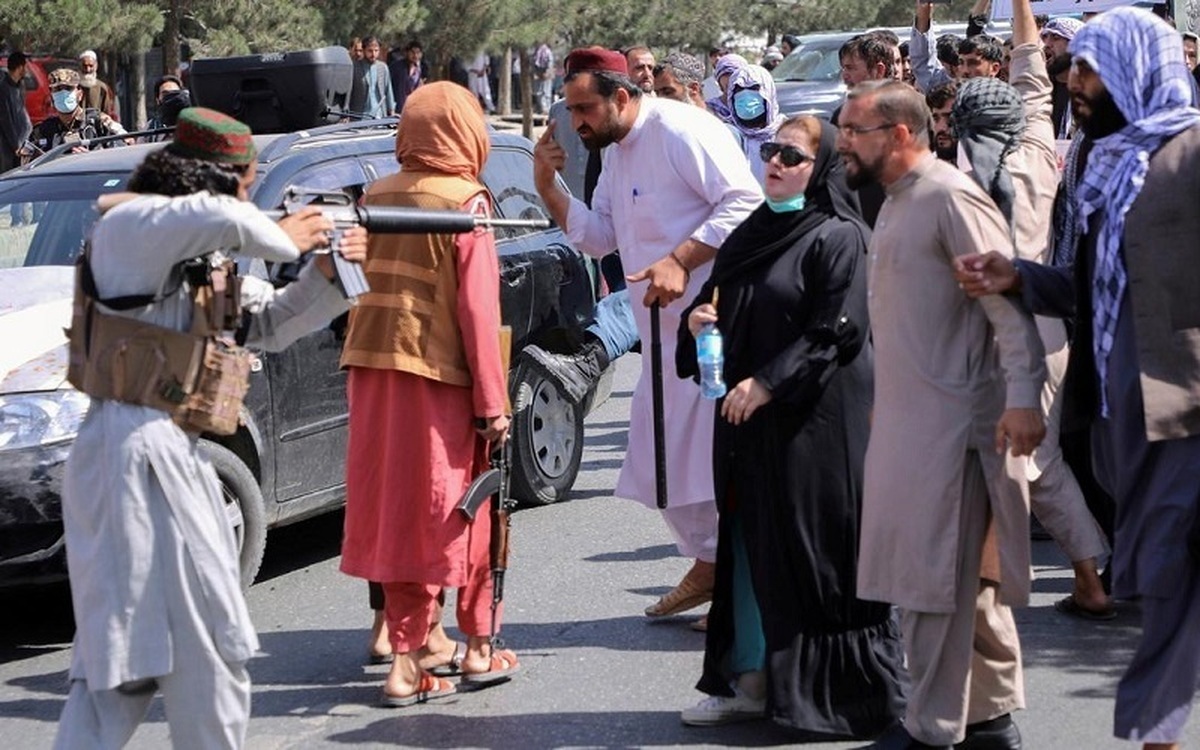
[957, 387]
[1134, 372]
[152, 558]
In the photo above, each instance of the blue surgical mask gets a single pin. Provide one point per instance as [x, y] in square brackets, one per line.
[749, 105]
[795, 203]
[65, 101]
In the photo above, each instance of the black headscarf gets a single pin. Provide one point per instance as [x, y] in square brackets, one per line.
[765, 234]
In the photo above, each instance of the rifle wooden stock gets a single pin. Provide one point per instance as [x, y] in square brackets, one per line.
[499, 549]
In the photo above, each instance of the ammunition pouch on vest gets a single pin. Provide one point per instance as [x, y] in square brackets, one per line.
[200, 380]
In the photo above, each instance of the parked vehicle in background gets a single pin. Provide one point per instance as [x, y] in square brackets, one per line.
[809, 81]
[37, 83]
[287, 461]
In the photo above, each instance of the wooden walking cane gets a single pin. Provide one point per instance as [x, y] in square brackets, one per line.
[656, 390]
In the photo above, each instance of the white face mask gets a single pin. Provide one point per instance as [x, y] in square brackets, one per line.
[65, 101]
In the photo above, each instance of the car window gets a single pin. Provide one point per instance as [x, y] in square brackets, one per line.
[43, 221]
[815, 61]
[508, 174]
[338, 174]
[382, 164]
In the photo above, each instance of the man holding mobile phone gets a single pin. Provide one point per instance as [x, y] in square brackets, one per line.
[668, 220]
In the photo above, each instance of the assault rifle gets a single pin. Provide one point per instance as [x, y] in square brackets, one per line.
[346, 214]
[493, 483]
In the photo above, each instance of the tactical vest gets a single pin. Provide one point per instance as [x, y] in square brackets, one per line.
[197, 378]
[409, 320]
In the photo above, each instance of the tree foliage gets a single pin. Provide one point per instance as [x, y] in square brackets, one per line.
[393, 21]
[67, 27]
[445, 27]
[240, 27]
[778, 17]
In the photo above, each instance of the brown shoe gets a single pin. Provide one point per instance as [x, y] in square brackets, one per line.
[695, 589]
[701, 625]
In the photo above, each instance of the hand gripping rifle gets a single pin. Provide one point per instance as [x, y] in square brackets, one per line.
[345, 214]
[493, 483]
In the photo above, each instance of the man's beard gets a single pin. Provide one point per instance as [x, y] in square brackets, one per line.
[1104, 117]
[88, 80]
[607, 134]
[863, 174]
[594, 140]
[946, 153]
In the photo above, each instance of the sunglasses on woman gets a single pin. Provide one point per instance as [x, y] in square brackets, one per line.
[789, 155]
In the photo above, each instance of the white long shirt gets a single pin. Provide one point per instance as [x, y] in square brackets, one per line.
[131, 465]
[679, 173]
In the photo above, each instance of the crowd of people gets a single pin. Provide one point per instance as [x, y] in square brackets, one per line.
[902, 297]
[933, 324]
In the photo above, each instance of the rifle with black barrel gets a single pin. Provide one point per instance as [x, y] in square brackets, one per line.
[493, 484]
[346, 214]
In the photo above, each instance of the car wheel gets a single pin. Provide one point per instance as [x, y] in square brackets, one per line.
[546, 439]
[243, 507]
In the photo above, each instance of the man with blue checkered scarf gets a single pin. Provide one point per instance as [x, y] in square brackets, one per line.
[1134, 374]
[1007, 136]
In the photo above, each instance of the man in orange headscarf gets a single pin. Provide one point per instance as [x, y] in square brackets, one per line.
[426, 390]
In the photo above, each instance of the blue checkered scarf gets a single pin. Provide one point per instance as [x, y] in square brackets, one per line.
[1140, 61]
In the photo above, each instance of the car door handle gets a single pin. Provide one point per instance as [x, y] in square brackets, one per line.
[568, 262]
[514, 275]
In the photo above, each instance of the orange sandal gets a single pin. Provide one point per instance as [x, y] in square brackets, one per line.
[429, 688]
[502, 667]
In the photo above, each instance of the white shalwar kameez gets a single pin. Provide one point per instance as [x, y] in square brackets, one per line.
[678, 173]
[152, 558]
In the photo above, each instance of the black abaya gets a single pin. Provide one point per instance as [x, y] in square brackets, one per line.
[793, 311]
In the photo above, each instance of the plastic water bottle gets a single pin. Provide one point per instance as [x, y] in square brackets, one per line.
[710, 355]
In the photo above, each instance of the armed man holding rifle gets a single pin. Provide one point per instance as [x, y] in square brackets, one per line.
[427, 398]
[152, 557]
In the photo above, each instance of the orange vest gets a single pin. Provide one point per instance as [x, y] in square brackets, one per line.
[409, 319]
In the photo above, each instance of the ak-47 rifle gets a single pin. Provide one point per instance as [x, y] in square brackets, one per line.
[493, 483]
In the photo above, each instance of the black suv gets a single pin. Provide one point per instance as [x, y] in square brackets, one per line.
[287, 462]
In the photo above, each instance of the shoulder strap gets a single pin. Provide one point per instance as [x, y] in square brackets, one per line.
[127, 302]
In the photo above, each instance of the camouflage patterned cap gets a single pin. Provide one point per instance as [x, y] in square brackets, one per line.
[61, 76]
[203, 133]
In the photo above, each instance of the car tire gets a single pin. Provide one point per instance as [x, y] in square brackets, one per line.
[546, 439]
[244, 508]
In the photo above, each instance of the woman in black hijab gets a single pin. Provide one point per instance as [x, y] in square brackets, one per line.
[786, 636]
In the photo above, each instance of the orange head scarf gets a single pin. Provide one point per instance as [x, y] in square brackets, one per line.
[442, 130]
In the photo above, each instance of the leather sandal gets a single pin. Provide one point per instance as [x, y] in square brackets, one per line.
[452, 668]
[428, 688]
[501, 667]
[695, 589]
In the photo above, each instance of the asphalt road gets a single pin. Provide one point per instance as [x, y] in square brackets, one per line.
[596, 672]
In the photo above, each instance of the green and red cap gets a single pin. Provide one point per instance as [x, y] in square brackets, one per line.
[202, 133]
